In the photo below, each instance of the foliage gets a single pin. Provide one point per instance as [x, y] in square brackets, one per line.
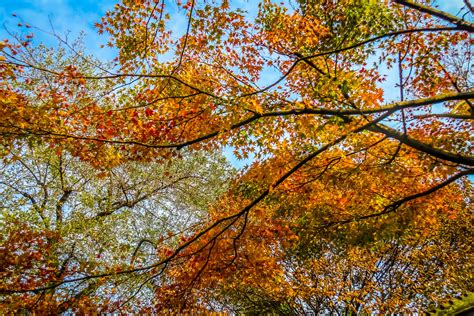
[359, 115]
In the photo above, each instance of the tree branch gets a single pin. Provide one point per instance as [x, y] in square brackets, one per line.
[426, 148]
[462, 24]
[395, 205]
[389, 108]
[447, 115]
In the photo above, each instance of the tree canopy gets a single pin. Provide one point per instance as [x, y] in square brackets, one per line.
[358, 115]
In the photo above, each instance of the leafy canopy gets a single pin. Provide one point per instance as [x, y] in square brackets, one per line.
[359, 115]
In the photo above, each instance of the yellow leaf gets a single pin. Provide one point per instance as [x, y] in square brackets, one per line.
[257, 107]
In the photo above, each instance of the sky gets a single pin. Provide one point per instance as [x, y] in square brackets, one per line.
[65, 16]
[77, 15]
[71, 17]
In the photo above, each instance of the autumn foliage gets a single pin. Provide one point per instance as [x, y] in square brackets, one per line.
[357, 117]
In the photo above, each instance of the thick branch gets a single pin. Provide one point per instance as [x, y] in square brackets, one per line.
[391, 107]
[59, 208]
[469, 5]
[426, 148]
[462, 24]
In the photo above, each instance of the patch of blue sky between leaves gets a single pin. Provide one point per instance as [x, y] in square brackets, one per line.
[66, 18]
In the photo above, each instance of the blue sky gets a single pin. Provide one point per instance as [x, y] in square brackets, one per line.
[66, 16]
[74, 16]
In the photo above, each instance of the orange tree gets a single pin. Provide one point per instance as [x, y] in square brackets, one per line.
[353, 203]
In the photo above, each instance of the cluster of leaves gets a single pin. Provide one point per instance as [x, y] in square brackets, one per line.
[352, 204]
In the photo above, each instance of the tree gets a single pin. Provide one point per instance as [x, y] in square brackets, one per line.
[65, 218]
[62, 219]
[352, 205]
